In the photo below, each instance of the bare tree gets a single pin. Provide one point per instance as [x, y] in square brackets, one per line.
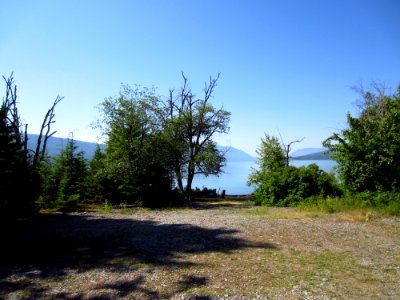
[288, 147]
[9, 112]
[45, 133]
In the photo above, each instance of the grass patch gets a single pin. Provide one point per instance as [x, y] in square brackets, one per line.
[251, 272]
[359, 207]
[282, 212]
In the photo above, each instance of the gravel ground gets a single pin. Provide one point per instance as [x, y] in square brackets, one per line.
[208, 252]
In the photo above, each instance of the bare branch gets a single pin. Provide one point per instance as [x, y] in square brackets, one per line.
[46, 126]
[287, 148]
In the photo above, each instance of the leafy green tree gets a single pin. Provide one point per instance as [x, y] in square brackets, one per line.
[192, 125]
[72, 169]
[271, 157]
[134, 162]
[368, 151]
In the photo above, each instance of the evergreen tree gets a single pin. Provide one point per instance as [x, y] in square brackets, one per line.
[71, 168]
[20, 181]
[97, 182]
[50, 180]
[17, 187]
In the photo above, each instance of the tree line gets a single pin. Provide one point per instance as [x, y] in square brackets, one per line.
[156, 146]
[154, 149]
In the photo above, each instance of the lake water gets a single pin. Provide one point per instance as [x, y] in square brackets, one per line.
[235, 176]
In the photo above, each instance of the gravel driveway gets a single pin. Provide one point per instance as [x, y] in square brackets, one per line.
[218, 250]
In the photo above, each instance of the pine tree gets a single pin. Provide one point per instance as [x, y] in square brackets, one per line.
[72, 169]
[97, 182]
[16, 176]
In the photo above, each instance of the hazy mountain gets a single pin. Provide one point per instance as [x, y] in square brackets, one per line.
[55, 144]
[233, 154]
[311, 154]
[307, 151]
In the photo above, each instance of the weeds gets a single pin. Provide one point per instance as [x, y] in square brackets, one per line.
[368, 205]
[106, 207]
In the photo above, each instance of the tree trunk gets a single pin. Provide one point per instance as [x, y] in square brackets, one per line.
[179, 180]
[190, 176]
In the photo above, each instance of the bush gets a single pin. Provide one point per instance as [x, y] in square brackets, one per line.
[290, 185]
[68, 203]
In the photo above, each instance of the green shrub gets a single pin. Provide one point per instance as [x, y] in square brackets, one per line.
[106, 207]
[290, 185]
[68, 203]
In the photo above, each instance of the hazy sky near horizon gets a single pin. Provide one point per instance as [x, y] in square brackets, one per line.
[287, 67]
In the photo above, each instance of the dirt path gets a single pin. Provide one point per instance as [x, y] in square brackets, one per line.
[227, 250]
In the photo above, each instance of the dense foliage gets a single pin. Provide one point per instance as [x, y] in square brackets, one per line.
[278, 184]
[270, 158]
[71, 167]
[64, 179]
[368, 151]
[135, 167]
[98, 185]
[153, 147]
[290, 185]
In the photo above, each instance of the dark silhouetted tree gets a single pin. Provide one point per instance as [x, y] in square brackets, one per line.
[71, 168]
[20, 182]
[98, 183]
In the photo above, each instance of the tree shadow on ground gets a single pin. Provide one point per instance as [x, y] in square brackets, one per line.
[52, 245]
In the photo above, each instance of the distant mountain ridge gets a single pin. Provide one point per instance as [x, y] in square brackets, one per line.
[56, 144]
[233, 154]
[312, 154]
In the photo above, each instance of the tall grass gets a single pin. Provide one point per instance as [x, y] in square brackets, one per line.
[382, 203]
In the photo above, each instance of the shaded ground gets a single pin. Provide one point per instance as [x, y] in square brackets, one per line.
[217, 249]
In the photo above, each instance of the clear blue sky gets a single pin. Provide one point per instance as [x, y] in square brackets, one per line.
[286, 66]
